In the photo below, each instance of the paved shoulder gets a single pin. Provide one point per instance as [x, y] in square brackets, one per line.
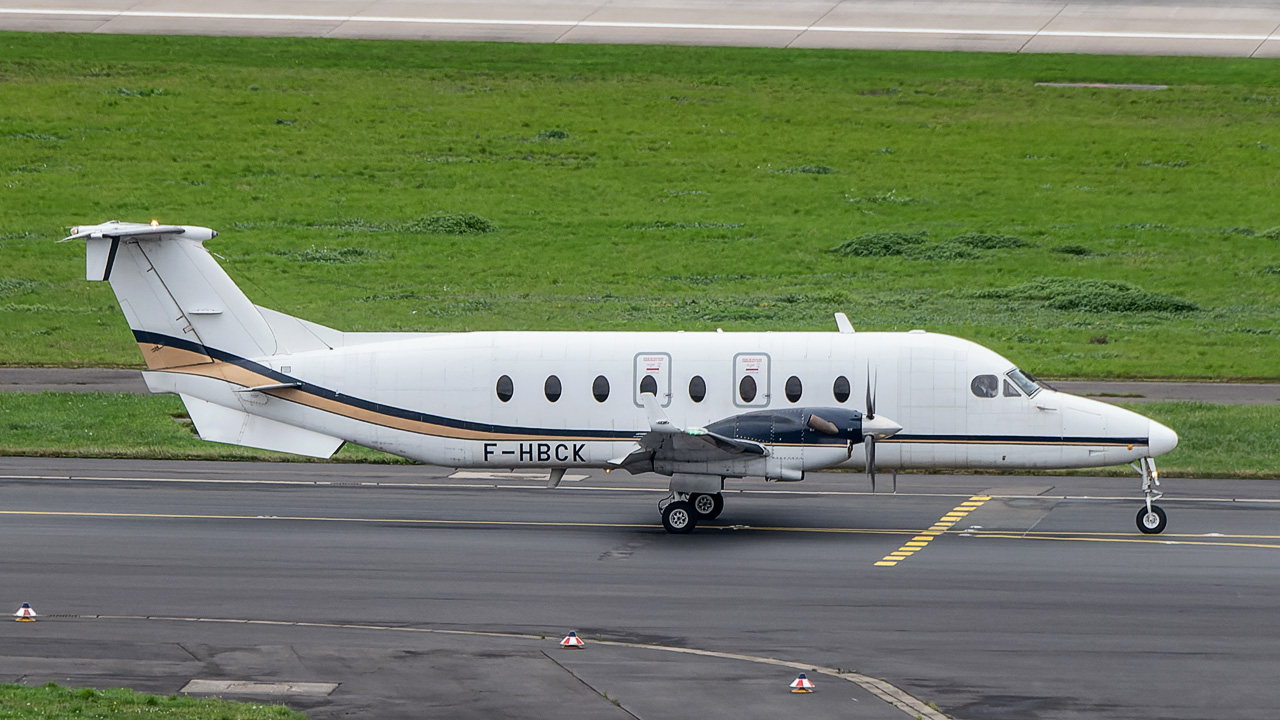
[113, 380]
[1228, 28]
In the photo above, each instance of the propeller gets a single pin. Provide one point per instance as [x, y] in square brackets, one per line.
[871, 460]
[868, 439]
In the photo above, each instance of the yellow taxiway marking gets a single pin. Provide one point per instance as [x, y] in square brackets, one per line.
[919, 542]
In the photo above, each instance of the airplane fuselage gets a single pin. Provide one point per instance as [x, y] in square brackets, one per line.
[698, 407]
[570, 399]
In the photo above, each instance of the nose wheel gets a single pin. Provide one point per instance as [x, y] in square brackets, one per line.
[1152, 521]
[1151, 518]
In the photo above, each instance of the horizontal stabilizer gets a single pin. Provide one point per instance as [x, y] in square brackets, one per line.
[217, 423]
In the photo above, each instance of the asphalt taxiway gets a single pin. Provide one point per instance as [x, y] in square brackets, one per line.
[423, 592]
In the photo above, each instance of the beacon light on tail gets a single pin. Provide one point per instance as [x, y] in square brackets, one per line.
[698, 407]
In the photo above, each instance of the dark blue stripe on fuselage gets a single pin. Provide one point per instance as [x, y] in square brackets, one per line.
[111, 259]
[144, 336]
[388, 410]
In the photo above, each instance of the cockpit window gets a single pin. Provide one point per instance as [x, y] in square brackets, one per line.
[985, 386]
[1020, 379]
[1010, 390]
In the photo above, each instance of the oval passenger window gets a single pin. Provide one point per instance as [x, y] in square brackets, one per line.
[505, 388]
[552, 388]
[841, 389]
[794, 388]
[985, 386]
[697, 388]
[600, 388]
[747, 389]
[649, 385]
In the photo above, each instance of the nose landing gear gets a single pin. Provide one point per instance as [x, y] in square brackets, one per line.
[1151, 519]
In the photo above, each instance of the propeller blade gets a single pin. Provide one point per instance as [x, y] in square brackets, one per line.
[871, 460]
[872, 390]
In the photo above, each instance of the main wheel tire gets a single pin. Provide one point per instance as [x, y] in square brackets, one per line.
[1153, 522]
[708, 505]
[679, 517]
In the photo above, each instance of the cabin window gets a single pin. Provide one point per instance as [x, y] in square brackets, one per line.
[747, 389]
[552, 388]
[1010, 390]
[649, 385]
[985, 386]
[600, 388]
[505, 388]
[793, 388]
[841, 389]
[697, 388]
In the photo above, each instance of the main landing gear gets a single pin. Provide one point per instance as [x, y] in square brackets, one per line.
[1151, 518]
[682, 511]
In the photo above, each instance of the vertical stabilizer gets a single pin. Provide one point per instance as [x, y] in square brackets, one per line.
[179, 302]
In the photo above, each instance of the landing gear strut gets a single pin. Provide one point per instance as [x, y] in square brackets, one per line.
[1151, 518]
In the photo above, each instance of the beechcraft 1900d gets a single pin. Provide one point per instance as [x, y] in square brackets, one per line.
[697, 407]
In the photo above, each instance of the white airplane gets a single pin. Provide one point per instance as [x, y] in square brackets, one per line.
[698, 407]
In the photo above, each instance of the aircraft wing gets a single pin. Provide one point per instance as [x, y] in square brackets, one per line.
[666, 441]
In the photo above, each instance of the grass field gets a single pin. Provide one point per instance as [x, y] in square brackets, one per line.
[53, 702]
[1215, 440]
[436, 186]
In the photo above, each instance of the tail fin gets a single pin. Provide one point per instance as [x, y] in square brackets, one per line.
[179, 302]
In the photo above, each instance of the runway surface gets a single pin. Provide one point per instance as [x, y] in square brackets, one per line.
[1040, 601]
[1231, 28]
[130, 381]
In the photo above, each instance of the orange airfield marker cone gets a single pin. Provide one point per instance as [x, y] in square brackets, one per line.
[25, 613]
[801, 684]
[572, 641]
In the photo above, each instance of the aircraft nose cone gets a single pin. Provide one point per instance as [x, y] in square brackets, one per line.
[1160, 439]
[880, 426]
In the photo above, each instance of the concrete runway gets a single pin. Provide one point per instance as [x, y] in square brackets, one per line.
[1230, 28]
[1043, 602]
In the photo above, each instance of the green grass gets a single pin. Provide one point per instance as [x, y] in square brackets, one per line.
[52, 702]
[1215, 440]
[1218, 440]
[454, 186]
